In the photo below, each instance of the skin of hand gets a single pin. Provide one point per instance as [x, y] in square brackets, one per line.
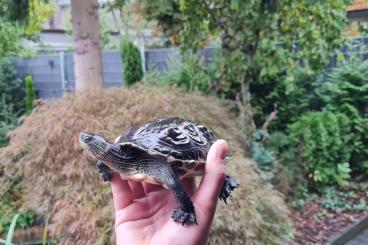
[143, 211]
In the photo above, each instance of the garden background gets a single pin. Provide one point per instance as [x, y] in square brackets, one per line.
[284, 82]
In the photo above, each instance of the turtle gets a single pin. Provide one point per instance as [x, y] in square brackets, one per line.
[162, 151]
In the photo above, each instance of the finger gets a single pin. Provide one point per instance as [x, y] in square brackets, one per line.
[151, 187]
[212, 181]
[137, 189]
[121, 192]
[189, 185]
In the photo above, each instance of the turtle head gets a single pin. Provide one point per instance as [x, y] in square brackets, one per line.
[96, 146]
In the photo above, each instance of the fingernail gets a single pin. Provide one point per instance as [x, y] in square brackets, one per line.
[221, 149]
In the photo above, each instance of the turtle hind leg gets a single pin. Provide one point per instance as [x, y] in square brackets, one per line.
[104, 171]
[230, 183]
[184, 214]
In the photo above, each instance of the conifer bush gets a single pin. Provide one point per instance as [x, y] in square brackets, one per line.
[346, 91]
[30, 93]
[321, 141]
[132, 62]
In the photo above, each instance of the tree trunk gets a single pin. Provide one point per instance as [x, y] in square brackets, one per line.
[245, 108]
[87, 45]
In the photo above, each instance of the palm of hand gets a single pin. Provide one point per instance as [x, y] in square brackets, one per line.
[143, 211]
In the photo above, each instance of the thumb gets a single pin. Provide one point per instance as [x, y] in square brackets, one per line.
[212, 181]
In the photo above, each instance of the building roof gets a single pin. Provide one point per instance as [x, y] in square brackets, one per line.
[358, 10]
[358, 5]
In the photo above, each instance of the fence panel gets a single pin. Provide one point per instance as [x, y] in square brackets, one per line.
[49, 71]
[46, 74]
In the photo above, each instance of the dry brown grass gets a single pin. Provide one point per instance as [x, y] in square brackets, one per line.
[58, 180]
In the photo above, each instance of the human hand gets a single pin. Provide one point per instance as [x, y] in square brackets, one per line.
[143, 211]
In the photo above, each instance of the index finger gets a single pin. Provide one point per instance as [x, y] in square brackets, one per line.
[121, 192]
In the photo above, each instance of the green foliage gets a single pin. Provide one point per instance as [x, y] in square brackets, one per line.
[270, 39]
[272, 92]
[11, 88]
[167, 15]
[320, 140]
[347, 85]
[264, 157]
[20, 20]
[132, 63]
[10, 36]
[9, 237]
[191, 73]
[11, 98]
[39, 12]
[10, 203]
[30, 94]
[8, 122]
[297, 204]
[289, 176]
[346, 91]
[45, 232]
[340, 201]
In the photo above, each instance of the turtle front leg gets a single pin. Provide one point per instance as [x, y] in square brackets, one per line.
[104, 171]
[230, 183]
[184, 214]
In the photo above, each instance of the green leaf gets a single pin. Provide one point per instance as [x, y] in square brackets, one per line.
[9, 237]
[44, 237]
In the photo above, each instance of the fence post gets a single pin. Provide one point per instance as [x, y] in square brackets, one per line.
[62, 69]
[143, 59]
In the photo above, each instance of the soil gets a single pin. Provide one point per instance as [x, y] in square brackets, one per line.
[316, 224]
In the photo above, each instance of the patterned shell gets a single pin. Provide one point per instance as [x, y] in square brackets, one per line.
[177, 139]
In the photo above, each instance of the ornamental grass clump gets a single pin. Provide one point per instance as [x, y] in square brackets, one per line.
[57, 179]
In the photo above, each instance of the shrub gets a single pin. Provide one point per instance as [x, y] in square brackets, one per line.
[289, 176]
[78, 201]
[292, 102]
[346, 91]
[11, 98]
[265, 158]
[190, 73]
[8, 121]
[320, 140]
[132, 64]
[11, 88]
[30, 94]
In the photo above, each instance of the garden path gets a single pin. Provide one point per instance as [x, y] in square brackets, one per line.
[360, 239]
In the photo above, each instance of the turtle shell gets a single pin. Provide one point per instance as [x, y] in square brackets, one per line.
[183, 143]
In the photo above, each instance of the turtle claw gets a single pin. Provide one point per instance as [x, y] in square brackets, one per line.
[106, 176]
[179, 215]
[230, 183]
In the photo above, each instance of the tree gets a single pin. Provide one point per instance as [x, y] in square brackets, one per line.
[30, 15]
[259, 39]
[88, 69]
[19, 21]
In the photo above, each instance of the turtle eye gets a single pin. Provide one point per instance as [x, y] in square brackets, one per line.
[87, 138]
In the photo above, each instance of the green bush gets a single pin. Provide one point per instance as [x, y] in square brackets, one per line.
[189, 73]
[292, 102]
[132, 64]
[321, 141]
[289, 176]
[11, 88]
[264, 157]
[346, 91]
[11, 98]
[8, 121]
[30, 94]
